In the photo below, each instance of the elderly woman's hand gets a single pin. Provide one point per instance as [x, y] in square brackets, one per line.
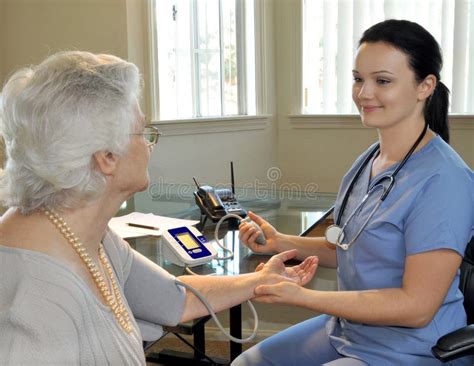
[299, 274]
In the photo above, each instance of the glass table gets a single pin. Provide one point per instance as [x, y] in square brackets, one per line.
[288, 210]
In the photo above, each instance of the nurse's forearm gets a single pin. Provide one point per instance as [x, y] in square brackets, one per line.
[387, 307]
[308, 246]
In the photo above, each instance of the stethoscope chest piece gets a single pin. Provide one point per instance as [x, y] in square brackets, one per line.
[334, 235]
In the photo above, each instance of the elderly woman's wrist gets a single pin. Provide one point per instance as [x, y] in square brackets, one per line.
[255, 279]
[263, 277]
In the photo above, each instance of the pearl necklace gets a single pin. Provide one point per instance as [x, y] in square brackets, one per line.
[114, 301]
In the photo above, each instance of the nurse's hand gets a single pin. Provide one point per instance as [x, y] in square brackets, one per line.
[248, 234]
[289, 293]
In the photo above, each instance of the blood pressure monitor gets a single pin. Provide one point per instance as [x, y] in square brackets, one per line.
[186, 246]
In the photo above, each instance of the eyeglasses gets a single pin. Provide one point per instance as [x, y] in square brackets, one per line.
[151, 135]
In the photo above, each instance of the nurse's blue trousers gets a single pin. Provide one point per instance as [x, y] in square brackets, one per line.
[303, 344]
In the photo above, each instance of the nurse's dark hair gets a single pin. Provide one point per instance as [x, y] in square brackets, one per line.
[425, 58]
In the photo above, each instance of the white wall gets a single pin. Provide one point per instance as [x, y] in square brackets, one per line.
[206, 154]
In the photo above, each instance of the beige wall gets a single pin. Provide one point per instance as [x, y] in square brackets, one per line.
[322, 155]
[30, 30]
[2, 37]
[462, 140]
[2, 55]
[34, 29]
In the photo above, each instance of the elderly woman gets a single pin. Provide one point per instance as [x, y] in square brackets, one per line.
[71, 291]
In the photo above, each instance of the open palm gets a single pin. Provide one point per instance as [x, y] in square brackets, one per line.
[301, 273]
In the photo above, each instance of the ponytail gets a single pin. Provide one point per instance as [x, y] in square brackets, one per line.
[436, 111]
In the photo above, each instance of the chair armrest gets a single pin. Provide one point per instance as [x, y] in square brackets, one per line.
[455, 344]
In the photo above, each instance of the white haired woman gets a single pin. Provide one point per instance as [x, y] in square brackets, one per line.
[71, 291]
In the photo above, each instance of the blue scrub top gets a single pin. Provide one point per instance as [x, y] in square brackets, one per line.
[431, 206]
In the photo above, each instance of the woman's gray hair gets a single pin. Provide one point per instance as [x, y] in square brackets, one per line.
[54, 117]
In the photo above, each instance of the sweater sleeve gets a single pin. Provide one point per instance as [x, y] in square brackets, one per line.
[150, 291]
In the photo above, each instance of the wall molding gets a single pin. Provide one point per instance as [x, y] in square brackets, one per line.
[457, 122]
[334, 121]
[213, 125]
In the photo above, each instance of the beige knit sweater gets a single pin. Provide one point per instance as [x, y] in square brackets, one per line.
[48, 316]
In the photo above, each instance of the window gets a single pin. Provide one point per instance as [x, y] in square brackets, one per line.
[331, 30]
[204, 58]
[309, 218]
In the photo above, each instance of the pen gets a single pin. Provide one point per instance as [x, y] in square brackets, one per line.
[143, 226]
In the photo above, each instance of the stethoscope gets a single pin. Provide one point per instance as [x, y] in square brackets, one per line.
[335, 233]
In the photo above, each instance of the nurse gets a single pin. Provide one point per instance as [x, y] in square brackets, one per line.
[398, 277]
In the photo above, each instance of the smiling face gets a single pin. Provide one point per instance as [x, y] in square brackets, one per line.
[385, 90]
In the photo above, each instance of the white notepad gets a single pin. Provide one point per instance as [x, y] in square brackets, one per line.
[121, 224]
